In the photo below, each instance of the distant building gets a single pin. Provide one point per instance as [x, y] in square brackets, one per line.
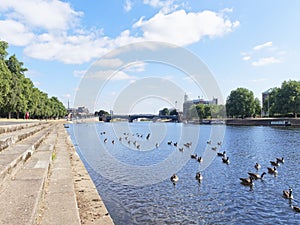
[265, 97]
[188, 103]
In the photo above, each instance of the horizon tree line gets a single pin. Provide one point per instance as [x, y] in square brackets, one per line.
[18, 94]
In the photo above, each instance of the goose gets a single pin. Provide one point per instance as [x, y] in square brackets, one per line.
[105, 140]
[194, 156]
[175, 144]
[198, 176]
[274, 163]
[174, 178]
[156, 145]
[272, 170]
[247, 181]
[296, 208]
[169, 142]
[199, 159]
[219, 143]
[188, 144]
[256, 176]
[148, 136]
[257, 166]
[113, 141]
[208, 142]
[222, 153]
[280, 160]
[181, 149]
[225, 160]
[288, 194]
[214, 148]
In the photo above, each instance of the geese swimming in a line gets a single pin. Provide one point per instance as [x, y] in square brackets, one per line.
[256, 176]
[288, 194]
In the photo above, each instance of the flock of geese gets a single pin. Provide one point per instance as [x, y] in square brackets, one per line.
[288, 194]
[248, 181]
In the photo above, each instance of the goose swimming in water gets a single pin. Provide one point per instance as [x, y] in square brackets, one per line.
[274, 163]
[288, 194]
[247, 181]
[222, 153]
[272, 170]
[296, 208]
[198, 176]
[280, 160]
[199, 159]
[256, 176]
[194, 156]
[174, 178]
[257, 166]
[226, 160]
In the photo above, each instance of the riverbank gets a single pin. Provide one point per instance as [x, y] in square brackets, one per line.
[294, 122]
[43, 178]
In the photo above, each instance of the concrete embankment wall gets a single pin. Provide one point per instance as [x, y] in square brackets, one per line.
[295, 122]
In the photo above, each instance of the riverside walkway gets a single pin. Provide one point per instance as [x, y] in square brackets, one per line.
[42, 179]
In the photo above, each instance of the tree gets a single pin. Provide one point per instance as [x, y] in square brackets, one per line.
[18, 94]
[164, 112]
[287, 98]
[173, 112]
[241, 103]
[16, 101]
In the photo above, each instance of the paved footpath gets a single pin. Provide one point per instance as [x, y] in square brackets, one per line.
[43, 180]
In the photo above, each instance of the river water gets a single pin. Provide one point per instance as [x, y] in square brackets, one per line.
[132, 172]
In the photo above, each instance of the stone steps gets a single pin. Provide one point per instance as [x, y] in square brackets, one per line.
[37, 179]
[18, 133]
[20, 195]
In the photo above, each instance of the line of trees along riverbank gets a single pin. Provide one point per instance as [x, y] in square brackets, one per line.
[18, 94]
[281, 101]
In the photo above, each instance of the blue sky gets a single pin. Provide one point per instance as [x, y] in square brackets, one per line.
[252, 44]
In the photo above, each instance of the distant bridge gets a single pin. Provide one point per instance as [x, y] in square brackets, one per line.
[131, 118]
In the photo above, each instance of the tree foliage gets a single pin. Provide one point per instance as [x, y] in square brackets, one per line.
[284, 101]
[241, 103]
[18, 94]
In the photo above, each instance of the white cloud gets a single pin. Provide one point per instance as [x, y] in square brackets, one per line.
[165, 6]
[128, 5]
[15, 33]
[246, 58]
[110, 75]
[79, 73]
[49, 15]
[264, 45]
[32, 24]
[265, 61]
[183, 28]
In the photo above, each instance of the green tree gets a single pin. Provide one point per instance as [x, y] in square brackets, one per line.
[287, 98]
[241, 103]
[218, 111]
[16, 100]
[4, 75]
[164, 112]
[173, 112]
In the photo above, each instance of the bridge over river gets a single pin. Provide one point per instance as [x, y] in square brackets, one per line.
[131, 118]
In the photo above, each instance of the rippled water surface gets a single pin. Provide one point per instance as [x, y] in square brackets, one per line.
[135, 186]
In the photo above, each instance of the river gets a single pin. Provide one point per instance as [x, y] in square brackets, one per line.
[131, 165]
